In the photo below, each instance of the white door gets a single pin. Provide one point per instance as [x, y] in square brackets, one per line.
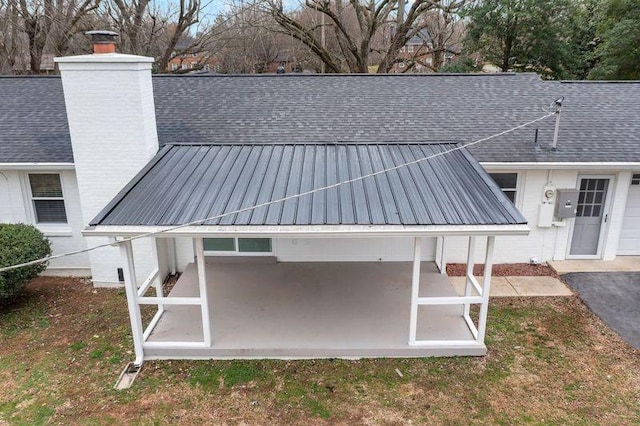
[590, 218]
[629, 243]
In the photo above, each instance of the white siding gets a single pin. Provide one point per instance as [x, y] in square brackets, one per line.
[550, 243]
[630, 231]
[350, 249]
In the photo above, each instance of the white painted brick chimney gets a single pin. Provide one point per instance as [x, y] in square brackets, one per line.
[112, 122]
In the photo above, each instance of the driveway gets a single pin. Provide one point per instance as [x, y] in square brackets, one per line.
[614, 297]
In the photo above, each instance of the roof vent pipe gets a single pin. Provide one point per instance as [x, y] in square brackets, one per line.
[103, 41]
[558, 105]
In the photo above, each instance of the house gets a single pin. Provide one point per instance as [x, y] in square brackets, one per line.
[111, 152]
[417, 54]
[193, 61]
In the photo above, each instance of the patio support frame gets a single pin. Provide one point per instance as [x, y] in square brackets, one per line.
[471, 285]
[136, 297]
[475, 293]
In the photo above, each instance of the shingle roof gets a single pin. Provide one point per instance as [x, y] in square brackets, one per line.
[599, 120]
[33, 121]
[185, 183]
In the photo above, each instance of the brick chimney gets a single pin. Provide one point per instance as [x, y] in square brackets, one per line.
[103, 41]
[112, 123]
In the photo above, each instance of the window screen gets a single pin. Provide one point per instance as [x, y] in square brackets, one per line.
[220, 244]
[243, 245]
[48, 203]
[254, 245]
[508, 183]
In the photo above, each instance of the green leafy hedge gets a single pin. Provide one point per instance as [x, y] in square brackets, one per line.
[20, 243]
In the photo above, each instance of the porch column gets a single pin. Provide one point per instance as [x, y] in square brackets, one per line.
[131, 289]
[415, 290]
[441, 254]
[204, 296]
[470, 260]
[486, 289]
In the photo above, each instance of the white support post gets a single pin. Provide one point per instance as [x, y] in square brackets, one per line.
[171, 246]
[441, 254]
[204, 299]
[486, 288]
[158, 279]
[470, 259]
[415, 291]
[131, 289]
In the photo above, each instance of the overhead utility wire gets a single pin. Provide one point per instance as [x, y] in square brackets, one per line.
[280, 200]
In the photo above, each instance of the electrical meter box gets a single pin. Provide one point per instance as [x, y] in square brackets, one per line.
[566, 203]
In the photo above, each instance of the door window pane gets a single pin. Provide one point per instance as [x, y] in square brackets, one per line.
[219, 244]
[254, 245]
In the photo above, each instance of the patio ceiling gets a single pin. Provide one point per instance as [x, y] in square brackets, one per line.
[189, 182]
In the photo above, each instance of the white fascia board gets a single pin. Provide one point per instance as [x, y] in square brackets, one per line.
[37, 166]
[311, 231]
[567, 165]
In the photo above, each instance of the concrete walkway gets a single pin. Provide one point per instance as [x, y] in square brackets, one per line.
[619, 264]
[519, 286]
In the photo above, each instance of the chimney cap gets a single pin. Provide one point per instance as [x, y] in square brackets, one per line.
[102, 36]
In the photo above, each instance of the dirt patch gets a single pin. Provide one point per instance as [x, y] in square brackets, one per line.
[550, 361]
[503, 270]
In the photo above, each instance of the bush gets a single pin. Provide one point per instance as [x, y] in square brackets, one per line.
[20, 243]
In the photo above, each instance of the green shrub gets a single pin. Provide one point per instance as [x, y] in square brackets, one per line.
[20, 243]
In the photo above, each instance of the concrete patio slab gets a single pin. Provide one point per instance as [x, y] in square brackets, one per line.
[500, 286]
[313, 310]
[539, 286]
[619, 264]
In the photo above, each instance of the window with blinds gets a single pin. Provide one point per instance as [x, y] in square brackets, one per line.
[48, 201]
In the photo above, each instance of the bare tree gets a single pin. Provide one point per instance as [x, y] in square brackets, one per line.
[10, 37]
[357, 44]
[162, 32]
[51, 23]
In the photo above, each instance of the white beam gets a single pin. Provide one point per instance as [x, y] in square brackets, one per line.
[415, 290]
[150, 300]
[484, 307]
[307, 231]
[131, 289]
[449, 300]
[470, 259]
[204, 296]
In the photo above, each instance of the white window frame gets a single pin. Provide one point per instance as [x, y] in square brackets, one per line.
[49, 229]
[517, 201]
[236, 252]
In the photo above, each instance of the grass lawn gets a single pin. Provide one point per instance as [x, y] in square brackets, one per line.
[63, 345]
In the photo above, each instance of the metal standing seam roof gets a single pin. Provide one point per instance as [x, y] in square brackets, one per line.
[185, 183]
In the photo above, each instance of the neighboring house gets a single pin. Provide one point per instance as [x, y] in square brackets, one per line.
[417, 55]
[193, 61]
[162, 152]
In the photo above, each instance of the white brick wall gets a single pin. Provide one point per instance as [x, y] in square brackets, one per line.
[110, 108]
[547, 243]
[16, 207]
